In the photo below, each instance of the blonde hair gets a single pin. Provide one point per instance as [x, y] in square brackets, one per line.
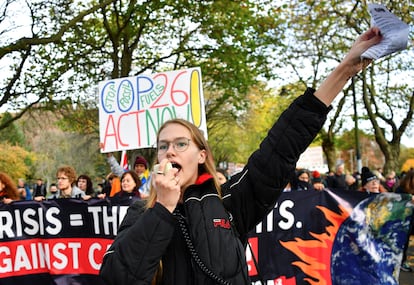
[199, 140]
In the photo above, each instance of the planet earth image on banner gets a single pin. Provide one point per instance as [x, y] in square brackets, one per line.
[369, 244]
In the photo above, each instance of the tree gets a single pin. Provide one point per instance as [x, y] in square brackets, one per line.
[311, 49]
[405, 155]
[12, 134]
[389, 101]
[15, 161]
[61, 63]
[237, 140]
[224, 38]
[370, 151]
[31, 70]
[408, 165]
[315, 42]
[235, 44]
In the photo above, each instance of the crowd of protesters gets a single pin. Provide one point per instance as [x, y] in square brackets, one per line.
[130, 184]
[122, 185]
[371, 181]
[69, 185]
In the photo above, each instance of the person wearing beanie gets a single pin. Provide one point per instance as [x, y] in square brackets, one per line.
[369, 181]
[317, 181]
[140, 167]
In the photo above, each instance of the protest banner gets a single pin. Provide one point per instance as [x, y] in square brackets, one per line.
[310, 237]
[59, 241]
[132, 109]
[326, 237]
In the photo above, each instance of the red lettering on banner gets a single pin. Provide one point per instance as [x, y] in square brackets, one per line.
[283, 281]
[54, 256]
[254, 246]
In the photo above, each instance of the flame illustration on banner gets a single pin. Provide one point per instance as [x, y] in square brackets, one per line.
[313, 263]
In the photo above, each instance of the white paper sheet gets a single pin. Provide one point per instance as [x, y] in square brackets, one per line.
[394, 32]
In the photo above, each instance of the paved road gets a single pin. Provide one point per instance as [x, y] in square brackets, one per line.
[407, 278]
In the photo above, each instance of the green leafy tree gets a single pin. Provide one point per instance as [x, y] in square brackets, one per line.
[71, 46]
[319, 35]
[225, 38]
[12, 134]
[243, 136]
[32, 71]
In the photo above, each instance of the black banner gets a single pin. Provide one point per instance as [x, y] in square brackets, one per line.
[310, 237]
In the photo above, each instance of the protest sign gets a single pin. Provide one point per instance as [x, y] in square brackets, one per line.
[132, 109]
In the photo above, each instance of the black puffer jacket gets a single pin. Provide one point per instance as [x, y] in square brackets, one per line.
[146, 237]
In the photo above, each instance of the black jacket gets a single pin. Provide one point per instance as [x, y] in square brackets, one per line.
[146, 237]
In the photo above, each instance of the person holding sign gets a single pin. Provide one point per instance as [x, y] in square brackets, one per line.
[194, 231]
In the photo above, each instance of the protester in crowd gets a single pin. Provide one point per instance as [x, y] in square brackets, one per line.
[357, 176]
[391, 182]
[183, 202]
[24, 190]
[303, 175]
[111, 186]
[379, 173]
[115, 185]
[84, 183]
[317, 182]
[337, 180]
[407, 186]
[130, 184]
[370, 182]
[66, 178]
[351, 182]
[301, 181]
[100, 187]
[39, 190]
[8, 189]
[53, 192]
[140, 167]
[221, 175]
